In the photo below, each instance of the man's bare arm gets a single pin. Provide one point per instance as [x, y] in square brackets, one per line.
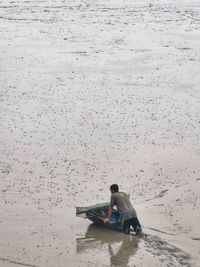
[110, 211]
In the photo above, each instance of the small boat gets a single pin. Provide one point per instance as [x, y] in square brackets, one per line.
[97, 214]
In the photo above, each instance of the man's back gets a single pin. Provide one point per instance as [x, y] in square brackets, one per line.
[123, 204]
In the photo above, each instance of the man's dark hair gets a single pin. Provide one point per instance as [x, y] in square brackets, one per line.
[114, 188]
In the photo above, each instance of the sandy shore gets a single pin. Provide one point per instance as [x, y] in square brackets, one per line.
[94, 93]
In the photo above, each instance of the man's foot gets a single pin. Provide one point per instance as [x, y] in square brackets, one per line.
[127, 231]
[138, 230]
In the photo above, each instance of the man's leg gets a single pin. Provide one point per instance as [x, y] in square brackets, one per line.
[136, 225]
[126, 227]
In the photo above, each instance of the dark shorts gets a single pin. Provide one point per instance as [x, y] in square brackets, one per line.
[134, 222]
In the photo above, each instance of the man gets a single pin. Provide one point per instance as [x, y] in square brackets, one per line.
[126, 211]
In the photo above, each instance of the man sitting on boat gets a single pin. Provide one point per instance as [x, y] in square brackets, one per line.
[127, 213]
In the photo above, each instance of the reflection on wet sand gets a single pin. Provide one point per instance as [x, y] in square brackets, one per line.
[120, 247]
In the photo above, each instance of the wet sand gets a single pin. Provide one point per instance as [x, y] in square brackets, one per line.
[95, 93]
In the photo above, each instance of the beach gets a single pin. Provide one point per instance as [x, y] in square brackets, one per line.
[95, 93]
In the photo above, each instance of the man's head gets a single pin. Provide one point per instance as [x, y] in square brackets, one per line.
[114, 188]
